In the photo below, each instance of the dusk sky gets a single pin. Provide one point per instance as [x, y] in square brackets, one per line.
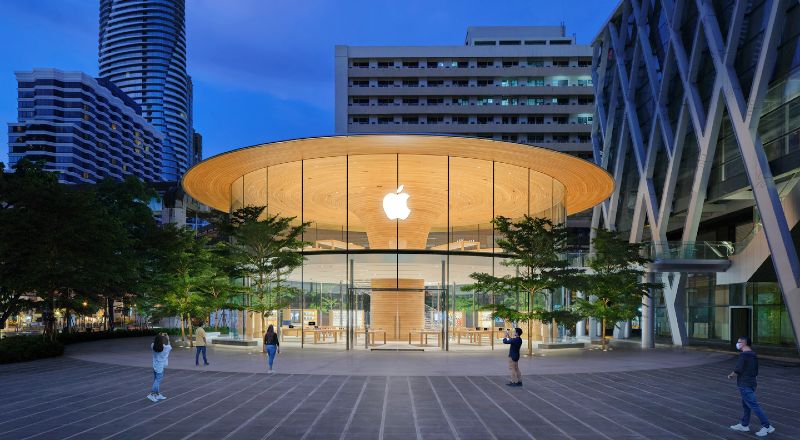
[263, 69]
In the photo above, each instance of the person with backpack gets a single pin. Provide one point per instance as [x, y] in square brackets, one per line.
[271, 345]
[515, 344]
[745, 371]
[160, 348]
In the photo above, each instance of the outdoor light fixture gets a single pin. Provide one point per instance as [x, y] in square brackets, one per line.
[395, 204]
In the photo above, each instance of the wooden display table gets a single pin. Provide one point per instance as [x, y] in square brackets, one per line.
[372, 332]
[424, 333]
[325, 333]
[474, 335]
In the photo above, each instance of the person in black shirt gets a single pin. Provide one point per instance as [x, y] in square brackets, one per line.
[745, 371]
[271, 345]
[515, 344]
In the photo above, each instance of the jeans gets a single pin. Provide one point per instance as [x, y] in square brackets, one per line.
[749, 403]
[156, 381]
[271, 349]
[513, 367]
[200, 348]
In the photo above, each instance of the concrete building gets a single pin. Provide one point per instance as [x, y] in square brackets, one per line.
[529, 85]
[698, 120]
[142, 49]
[85, 129]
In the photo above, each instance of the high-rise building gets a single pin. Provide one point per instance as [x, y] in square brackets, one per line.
[528, 84]
[143, 51]
[698, 120]
[84, 129]
[197, 147]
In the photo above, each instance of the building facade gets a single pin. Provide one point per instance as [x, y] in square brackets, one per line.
[698, 120]
[397, 223]
[529, 85]
[84, 129]
[142, 49]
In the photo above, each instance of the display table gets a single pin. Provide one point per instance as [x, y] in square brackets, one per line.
[474, 335]
[372, 332]
[423, 334]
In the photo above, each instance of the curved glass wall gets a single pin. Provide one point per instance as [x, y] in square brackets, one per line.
[392, 241]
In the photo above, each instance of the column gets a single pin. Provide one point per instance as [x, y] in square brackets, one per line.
[649, 316]
[580, 331]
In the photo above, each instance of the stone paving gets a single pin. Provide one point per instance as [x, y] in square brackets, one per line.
[67, 398]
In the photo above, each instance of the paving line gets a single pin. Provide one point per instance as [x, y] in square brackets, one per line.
[768, 399]
[581, 404]
[444, 411]
[119, 385]
[131, 377]
[530, 435]
[355, 407]
[230, 411]
[261, 411]
[109, 410]
[475, 413]
[413, 409]
[643, 407]
[180, 380]
[290, 413]
[324, 409]
[240, 379]
[216, 402]
[383, 411]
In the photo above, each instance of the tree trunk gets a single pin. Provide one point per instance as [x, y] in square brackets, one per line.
[603, 334]
[189, 324]
[183, 333]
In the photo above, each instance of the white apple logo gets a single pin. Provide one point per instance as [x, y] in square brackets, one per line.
[395, 205]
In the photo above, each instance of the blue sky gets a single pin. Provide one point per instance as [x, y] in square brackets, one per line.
[263, 69]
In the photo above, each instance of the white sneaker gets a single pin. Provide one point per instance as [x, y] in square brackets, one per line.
[160, 396]
[765, 430]
[152, 397]
[270, 372]
[740, 427]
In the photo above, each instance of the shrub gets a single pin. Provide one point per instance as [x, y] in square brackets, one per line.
[28, 348]
[71, 338]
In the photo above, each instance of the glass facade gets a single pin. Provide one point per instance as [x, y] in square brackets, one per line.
[368, 277]
[708, 312]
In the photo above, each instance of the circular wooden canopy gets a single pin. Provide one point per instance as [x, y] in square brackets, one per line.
[582, 184]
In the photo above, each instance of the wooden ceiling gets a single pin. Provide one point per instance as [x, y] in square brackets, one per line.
[374, 170]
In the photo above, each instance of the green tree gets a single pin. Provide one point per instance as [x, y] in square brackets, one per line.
[265, 249]
[614, 286]
[535, 248]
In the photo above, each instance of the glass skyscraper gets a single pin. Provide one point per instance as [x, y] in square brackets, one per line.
[142, 49]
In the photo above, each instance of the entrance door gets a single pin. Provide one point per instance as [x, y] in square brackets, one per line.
[741, 320]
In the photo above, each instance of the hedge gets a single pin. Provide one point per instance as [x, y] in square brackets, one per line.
[32, 347]
[28, 348]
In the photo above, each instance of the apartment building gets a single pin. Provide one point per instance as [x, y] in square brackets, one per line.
[83, 128]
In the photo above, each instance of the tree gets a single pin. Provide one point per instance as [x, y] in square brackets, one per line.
[265, 249]
[614, 287]
[535, 248]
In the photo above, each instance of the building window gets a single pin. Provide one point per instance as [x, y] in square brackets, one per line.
[560, 63]
[535, 138]
[411, 64]
[460, 120]
[361, 83]
[485, 43]
[485, 82]
[486, 101]
[535, 42]
[434, 64]
[385, 101]
[410, 83]
[510, 42]
[584, 82]
[435, 120]
[385, 120]
[361, 64]
[461, 101]
[509, 101]
[559, 83]
[460, 83]
[410, 101]
[509, 82]
[485, 119]
[435, 101]
[536, 82]
[435, 83]
[385, 83]
[485, 63]
[535, 63]
[360, 101]
[511, 63]
[385, 64]
[535, 119]
[361, 120]
[410, 120]
[585, 119]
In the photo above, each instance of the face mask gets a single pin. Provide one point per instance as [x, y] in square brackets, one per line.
[738, 345]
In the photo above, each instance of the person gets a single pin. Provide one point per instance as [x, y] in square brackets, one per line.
[271, 345]
[745, 371]
[515, 344]
[200, 342]
[161, 349]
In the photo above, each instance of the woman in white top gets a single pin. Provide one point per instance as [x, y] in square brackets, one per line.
[161, 349]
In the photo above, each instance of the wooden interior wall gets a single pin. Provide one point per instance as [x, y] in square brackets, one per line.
[397, 311]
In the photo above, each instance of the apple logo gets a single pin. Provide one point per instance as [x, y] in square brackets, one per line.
[395, 205]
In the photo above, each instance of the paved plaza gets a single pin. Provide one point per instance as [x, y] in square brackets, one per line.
[687, 396]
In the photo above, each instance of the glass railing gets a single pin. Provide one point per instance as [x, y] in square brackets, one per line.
[696, 250]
